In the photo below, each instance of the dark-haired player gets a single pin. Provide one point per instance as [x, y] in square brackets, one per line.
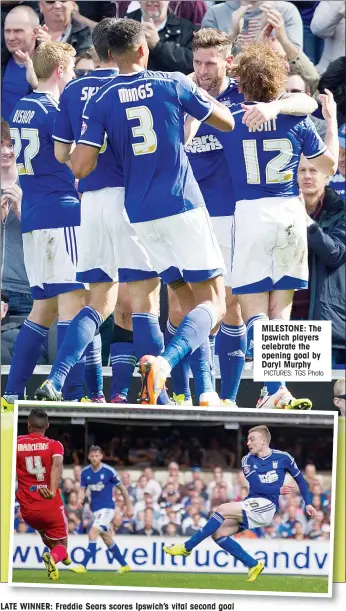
[101, 479]
[39, 470]
[265, 470]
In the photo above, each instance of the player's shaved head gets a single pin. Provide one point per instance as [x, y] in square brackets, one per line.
[125, 36]
[38, 420]
[261, 73]
[100, 37]
[263, 430]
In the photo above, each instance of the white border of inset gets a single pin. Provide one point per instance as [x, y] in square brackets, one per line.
[332, 415]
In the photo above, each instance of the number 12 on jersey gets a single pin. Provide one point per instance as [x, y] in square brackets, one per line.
[275, 167]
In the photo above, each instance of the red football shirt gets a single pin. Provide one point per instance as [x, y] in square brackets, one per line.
[34, 462]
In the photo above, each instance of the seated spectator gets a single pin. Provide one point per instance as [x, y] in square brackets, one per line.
[244, 20]
[201, 490]
[326, 226]
[339, 400]
[244, 491]
[334, 80]
[169, 37]
[338, 181]
[289, 521]
[197, 505]
[240, 482]
[147, 503]
[170, 515]
[193, 524]
[23, 528]
[219, 496]
[140, 488]
[61, 25]
[73, 527]
[316, 530]
[215, 456]
[72, 508]
[67, 488]
[118, 525]
[310, 474]
[298, 532]
[316, 490]
[77, 469]
[218, 477]
[328, 23]
[148, 529]
[17, 74]
[174, 477]
[152, 485]
[170, 498]
[171, 530]
[85, 63]
[131, 488]
[191, 494]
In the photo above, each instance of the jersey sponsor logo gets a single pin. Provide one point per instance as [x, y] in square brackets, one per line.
[32, 447]
[84, 128]
[87, 92]
[204, 144]
[133, 94]
[23, 116]
[96, 487]
[268, 478]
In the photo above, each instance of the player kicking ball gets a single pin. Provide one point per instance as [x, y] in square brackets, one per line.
[265, 470]
[39, 470]
[100, 480]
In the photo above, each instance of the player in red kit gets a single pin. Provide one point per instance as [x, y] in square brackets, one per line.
[39, 471]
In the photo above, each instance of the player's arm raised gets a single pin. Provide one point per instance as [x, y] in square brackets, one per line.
[127, 500]
[327, 163]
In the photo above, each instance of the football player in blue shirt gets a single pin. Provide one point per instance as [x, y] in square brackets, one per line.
[270, 250]
[116, 254]
[50, 219]
[101, 479]
[142, 113]
[265, 470]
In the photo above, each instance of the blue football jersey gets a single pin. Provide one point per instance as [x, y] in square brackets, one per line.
[68, 127]
[143, 116]
[267, 475]
[208, 162]
[266, 160]
[338, 183]
[101, 484]
[49, 197]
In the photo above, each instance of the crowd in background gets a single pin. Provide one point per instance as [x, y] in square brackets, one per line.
[308, 36]
[175, 503]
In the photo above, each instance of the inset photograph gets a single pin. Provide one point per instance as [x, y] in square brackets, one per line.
[183, 499]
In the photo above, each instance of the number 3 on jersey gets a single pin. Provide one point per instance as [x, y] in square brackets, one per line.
[34, 467]
[143, 130]
[30, 151]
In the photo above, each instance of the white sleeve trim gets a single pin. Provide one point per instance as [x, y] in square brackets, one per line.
[58, 139]
[94, 144]
[62, 456]
[320, 152]
[208, 113]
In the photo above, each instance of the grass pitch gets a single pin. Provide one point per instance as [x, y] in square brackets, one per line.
[199, 581]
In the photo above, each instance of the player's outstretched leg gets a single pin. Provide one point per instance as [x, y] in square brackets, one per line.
[57, 554]
[279, 397]
[213, 524]
[116, 553]
[233, 548]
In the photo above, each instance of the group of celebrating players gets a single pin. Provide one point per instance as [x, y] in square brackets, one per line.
[192, 180]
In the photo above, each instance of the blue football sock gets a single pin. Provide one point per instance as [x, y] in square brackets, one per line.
[80, 333]
[236, 550]
[148, 339]
[115, 551]
[273, 387]
[250, 330]
[93, 368]
[212, 343]
[201, 367]
[231, 348]
[191, 333]
[123, 361]
[27, 351]
[89, 553]
[73, 388]
[208, 529]
[180, 375]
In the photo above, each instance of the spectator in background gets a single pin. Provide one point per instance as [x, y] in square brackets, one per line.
[218, 478]
[86, 62]
[334, 80]
[328, 23]
[72, 507]
[338, 181]
[170, 515]
[152, 485]
[193, 524]
[316, 490]
[193, 11]
[61, 25]
[325, 298]
[6, 7]
[313, 46]
[17, 73]
[73, 527]
[339, 400]
[147, 503]
[140, 488]
[148, 529]
[296, 84]
[118, 525]
[174, 477]
[217, 457]
[310, 474]
[169, 37]
[77, 469]
[298, 532]
[67, 488]
[288, 524]
[131, 488]
[244, 19]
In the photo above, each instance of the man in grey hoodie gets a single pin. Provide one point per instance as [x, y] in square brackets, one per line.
[247, 18]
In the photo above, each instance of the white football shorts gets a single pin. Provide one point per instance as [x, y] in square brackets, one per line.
[50, 257]
[270, 249]
[102, 518]
[257, 512]
[182, 245]
[108, 247]
[224, 231]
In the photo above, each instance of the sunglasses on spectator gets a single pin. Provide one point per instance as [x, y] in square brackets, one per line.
[81, 72]
[295, 91]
